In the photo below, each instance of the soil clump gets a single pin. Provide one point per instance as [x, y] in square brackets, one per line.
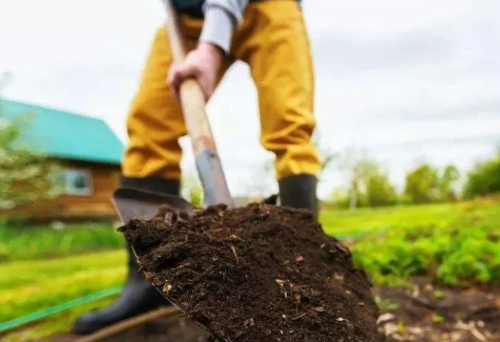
[257, 273]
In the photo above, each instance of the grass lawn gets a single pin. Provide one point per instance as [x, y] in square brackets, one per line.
[58, 323]
[27, 286]
[45, 265]
[24, 242]
[454, 243]
[368, 219]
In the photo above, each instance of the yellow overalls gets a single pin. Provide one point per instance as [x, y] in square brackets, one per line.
[273, 41]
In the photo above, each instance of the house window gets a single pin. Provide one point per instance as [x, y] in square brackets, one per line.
[77, 182]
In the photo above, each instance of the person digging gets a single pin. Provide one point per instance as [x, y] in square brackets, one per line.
[268, 35]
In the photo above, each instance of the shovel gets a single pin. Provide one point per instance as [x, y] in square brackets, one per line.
[145, 205]
[132, 203]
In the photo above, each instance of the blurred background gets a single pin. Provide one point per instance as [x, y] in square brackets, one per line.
[408, 123]
[404, 81]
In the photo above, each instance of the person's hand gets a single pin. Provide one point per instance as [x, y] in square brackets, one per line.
[203, 63]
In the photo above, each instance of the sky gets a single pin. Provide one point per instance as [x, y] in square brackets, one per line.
[402, 81]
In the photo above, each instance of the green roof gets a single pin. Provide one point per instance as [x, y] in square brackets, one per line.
[64, 135]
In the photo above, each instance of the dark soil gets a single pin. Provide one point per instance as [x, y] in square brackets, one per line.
[159, 330]
[425, 313]
[256, 274]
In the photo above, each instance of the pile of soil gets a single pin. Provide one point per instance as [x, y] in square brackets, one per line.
[257, 273]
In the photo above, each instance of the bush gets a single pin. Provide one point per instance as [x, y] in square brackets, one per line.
[369, 187]
[484, 179]
[426, 184]
[379, 191]
[422, 184]
[25, 177]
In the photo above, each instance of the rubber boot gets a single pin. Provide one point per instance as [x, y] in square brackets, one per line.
[299, 191]
[138, 296]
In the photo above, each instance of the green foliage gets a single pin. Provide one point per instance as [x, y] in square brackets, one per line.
[371, 220]
[438, 294]
[25, 176]
[379, 191]
[426, 184]
[369, 187]
[18, 242]
[196, 196]
[438, 319]
[484, 178]
[422, 184]
[192, 190]
[456, 244]
[339, 198]
[385, 305]
[446, 184]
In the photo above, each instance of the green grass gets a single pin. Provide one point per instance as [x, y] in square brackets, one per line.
[18, 242]
[455, 244]
[347, 222]
[27, 286]
[58, 323]
[42, 266]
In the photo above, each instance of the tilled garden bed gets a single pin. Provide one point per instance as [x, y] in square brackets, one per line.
[426, 313]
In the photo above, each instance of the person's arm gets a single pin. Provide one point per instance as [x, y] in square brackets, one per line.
[221, 19]
[203, 63]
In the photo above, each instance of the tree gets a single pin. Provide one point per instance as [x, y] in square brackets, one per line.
[379, 191]
[372, 185]
[426, 183]
[25, 176]
[349, 162]
[447, 182]
[368, 186]
[484, 178]
[422, 184]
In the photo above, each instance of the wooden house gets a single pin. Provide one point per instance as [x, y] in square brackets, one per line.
[88, 152]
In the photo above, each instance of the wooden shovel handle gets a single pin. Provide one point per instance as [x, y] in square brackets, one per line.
[177, 43]
[193, 106]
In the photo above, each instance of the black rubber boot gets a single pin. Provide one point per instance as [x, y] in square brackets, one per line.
[138, 296]
[299, 191]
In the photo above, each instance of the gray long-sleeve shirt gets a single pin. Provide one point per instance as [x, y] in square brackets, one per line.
[221, 19]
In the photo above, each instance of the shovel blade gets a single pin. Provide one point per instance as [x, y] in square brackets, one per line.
[132, 203]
